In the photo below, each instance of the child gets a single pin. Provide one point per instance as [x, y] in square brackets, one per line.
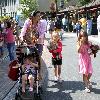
[29, 71]
[10, 40]
[56, 55]
[85, 66]
[78, 28]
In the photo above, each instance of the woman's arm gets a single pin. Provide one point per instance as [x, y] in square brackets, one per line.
[34, 64]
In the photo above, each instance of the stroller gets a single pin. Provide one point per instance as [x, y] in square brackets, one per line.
[21, 52]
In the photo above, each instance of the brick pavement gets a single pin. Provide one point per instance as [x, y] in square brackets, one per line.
[5, 83]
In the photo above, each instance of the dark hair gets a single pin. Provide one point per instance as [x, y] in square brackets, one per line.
[84, 34]
[8, 24]
[34, 13]
[43, 15]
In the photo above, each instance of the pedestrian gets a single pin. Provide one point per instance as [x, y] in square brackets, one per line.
[33, 29]
[51, 28]
[56, 50]
[85, 65]
[78, 27]
[10, 40]
[65, 23]
[16, 33]
[89, 25]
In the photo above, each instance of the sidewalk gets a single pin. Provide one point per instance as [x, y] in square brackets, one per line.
[94, 39]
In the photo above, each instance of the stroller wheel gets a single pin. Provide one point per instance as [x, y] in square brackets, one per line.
[40, 90]
[17, 97]
[37, 96]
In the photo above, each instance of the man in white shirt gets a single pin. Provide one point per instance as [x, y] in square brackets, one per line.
[65, 23]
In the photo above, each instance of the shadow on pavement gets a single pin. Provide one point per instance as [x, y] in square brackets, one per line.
[95, 90]
[64, 90]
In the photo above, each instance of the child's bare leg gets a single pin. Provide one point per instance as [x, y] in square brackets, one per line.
[89, 76]
[85, 79]
[31, 80]
[24, 78]
[56, 70]
[89, 83]
[59, 70]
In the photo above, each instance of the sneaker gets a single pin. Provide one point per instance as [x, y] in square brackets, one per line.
[87, 90]
[56, 79]
[59, 80]
[30, 89]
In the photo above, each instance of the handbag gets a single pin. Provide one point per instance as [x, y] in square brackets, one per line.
[13, 73]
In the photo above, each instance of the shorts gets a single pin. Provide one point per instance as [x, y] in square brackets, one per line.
[56, 61]
[29, 72]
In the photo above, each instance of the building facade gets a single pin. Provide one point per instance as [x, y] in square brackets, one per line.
[8, 7]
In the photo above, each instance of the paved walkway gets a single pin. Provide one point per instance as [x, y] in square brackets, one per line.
[6, 84]
[72, 87]
[9, 88]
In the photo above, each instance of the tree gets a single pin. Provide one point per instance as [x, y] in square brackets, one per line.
[84, 2]
[27, 6]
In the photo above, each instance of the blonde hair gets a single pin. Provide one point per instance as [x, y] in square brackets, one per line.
[55, 34]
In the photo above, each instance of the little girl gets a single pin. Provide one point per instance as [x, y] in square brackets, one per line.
[85, 66]
[56, 55]
[29, 71]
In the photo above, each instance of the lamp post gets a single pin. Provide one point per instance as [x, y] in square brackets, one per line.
[56, 6]
[1, 9]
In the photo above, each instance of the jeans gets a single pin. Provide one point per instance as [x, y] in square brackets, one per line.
[1, 51]
[11, 50]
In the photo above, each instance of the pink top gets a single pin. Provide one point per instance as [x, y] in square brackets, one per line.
[10, 38]
[58, 50]
[41, 29]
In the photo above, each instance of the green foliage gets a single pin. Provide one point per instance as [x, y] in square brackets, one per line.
[3, 18]
[84, 2]
[27, 6]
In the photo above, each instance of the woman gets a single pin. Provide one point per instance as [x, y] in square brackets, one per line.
[10, 40]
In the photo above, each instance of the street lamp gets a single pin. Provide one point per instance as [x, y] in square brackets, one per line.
[56, 6]
[1, 9]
